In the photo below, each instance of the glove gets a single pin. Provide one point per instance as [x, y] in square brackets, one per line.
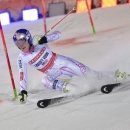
[42, 40]
[38, 39]
[23, 96]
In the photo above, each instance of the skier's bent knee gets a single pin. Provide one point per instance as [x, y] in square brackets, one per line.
[58, 85]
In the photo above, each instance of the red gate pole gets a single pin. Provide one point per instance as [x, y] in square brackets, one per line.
[90, 17]
[44, 15]
[8, 62]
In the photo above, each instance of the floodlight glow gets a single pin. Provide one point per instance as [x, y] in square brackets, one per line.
[82, 7]
[30, 14]
[4, 18]
[108, 3]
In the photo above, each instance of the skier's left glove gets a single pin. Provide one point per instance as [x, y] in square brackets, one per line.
[23, 96]
[39, 40]
[42, 40]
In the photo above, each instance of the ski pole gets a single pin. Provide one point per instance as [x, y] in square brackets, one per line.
[74, 8]
[8, 62]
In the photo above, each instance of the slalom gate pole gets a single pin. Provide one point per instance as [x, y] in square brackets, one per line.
[74, 8]
[8, 62]
[90, 17]
[44, 15]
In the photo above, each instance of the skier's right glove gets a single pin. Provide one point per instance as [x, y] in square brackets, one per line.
[23, 96]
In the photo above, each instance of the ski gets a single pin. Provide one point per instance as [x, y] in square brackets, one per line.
[109, 87]
[46, 102]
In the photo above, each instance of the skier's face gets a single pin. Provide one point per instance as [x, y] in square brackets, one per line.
[23, 45]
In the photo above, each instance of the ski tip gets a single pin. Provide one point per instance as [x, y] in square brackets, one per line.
[109, 87]
[43, 103]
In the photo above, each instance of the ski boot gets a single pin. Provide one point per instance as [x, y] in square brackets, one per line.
[119, 76]
[68, 87]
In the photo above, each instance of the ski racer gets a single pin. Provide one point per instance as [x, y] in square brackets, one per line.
[59, 69]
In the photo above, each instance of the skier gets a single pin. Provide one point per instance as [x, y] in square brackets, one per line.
[59, 69]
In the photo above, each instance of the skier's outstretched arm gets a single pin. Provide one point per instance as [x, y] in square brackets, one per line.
[39, 39]
[22, 66]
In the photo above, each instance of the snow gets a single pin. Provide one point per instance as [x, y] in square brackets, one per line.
[107, 50]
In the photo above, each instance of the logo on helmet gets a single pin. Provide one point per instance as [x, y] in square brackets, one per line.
[22, 34]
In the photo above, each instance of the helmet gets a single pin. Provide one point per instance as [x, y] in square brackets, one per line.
[22, 34]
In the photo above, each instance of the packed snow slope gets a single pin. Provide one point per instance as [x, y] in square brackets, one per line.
[108, 50]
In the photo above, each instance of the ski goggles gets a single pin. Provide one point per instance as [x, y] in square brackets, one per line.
[19, 36]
